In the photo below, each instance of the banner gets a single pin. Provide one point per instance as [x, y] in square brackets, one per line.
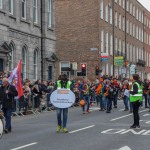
[62, 98]
[16, 79]
[118, 60]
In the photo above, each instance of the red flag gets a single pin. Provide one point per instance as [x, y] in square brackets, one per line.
[17, 79]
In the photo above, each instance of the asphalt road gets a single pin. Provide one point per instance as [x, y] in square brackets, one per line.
[94, 131]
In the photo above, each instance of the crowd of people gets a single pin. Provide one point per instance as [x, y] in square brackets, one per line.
[104, 91]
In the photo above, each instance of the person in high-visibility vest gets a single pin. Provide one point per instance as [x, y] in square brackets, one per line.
[63, 82]
[136, 99]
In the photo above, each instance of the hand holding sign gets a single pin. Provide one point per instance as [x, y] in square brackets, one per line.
[62, 98]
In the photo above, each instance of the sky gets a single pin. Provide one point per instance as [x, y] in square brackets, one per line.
[145, 3]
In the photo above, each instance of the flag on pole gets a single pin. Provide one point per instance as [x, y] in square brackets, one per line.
[16, 79]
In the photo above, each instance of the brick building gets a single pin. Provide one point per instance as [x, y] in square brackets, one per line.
[87, 29]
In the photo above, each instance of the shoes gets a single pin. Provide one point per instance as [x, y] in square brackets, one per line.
[65, 130]
[83, 113]
[108, 112]
[115, 106]
[126, 109]
[138, 127]
[146, 107]
[58, 128]
[88, 111]
[101, 109]
[133, 126]
[130, 111]
[6, 130]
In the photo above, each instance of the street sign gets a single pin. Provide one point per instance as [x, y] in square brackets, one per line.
[132, 69]
[74, 65]
[118, 61]
[123, 70]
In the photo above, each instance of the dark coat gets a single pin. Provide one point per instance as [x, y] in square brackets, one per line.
[8, 99]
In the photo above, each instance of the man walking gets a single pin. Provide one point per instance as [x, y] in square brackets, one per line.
[7, 94]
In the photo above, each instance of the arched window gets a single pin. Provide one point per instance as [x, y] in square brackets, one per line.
[11, 55]
[35, 64]
[24, 61]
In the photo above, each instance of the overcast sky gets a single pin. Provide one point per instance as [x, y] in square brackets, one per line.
[145, 3]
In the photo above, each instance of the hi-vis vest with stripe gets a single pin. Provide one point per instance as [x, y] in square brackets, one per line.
[138, 96]
[67, 85]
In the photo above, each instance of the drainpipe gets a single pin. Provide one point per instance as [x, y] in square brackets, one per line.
[41, 40]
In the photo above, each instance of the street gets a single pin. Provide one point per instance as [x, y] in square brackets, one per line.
[94, 131]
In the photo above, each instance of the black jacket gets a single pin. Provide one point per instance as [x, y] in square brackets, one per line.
[8, 99]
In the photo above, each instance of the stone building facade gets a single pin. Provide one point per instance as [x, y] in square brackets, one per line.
[27, 33]
[87, 29]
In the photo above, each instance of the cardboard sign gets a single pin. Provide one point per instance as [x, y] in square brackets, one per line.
[62, 98]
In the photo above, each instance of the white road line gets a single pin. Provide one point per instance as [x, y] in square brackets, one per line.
[121, 109]
[125, 116]
[82, 129]
[24, 146]
[146, 115]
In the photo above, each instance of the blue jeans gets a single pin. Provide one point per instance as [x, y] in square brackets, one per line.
[126, 101]
[7, 115]
[109, 104]
[115, 100]
[65, 116]
[100, 99]
[105, 100]
[87, 99]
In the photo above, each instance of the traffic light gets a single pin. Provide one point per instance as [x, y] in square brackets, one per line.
[97, 71]
[83, 69]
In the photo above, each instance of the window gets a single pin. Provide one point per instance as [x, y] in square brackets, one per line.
[106, 13]
[24, 61]
[120, 2]
[131, 28]
[123, 50]
[106, 42]
[10, 5]
[119, 45]
[137, 35]
[11, 54]
[116, 19]
[137, 53]
[24, 9]
[111, 44]
[102, 41]
[107, 69]
[1, 4]
[35, 11]
[127, 26]
[35, 64]
[130, 53]
[110, 15]
[123, 23]
[137, 14]
[101, 10]
[116, 1]
[116, 44]
[127, 51]
[134, 11]
[119, 21]
[50, 13]
[142, 17]
[134, 54]
[123, 4]
[131, 8]
[127, 5]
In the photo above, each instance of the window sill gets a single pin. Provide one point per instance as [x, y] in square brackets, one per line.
[36, 25]
[25, 21]
[12, 16]
[2, 11]
[51, 28]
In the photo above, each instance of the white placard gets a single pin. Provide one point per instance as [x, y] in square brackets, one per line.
[1, 128]
[62, 98]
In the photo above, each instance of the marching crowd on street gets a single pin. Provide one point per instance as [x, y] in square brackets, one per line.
[104, 91]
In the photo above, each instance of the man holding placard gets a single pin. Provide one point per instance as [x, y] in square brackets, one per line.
[60, 98]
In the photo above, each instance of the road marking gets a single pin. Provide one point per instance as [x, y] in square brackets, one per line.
[121, 109]
[146, 115]
[126, 116]
[82, 129]
[125, 148]
[24, 146]
[94, 108]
